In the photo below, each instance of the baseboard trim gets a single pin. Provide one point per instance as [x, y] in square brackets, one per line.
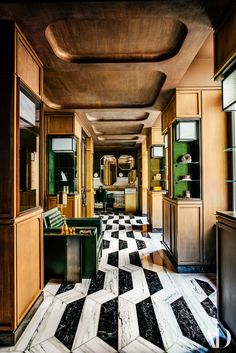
[191, 268]
[9, 338]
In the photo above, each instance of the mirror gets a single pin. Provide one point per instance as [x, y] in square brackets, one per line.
[126, 162]
[108, 170]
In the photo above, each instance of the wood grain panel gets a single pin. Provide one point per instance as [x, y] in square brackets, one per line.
[155, 207]
[188, 104]
[60, 124]
[7, 141]
[214, 166]
[7, 277]
[28, 264]
[167, 222]
[27, 68]
[169, 114]
[225, 49]
[189, 233]
[69, 211]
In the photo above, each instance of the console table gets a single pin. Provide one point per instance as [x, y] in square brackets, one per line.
[63, 254]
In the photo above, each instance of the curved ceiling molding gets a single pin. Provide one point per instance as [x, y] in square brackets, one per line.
[93, 88]
[116, 40]
[116, 116]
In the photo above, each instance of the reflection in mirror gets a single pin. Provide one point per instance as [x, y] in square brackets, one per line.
[126, 162]
[108, 170]
[132, 176]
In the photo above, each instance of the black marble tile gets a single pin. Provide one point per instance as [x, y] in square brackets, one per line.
[139, 221]
[110, 217]
[116, 221]
[134, 259]
[209, 307]
[131, 217]
[97, 283]
[113, 259]
[148, 326]
[153, 281]
[121, 227]
[67, 327]
[145, 235]
[140, 244]
[125, 281]
[127, 221]
[115, 234]
[205, 286]
[105, 244]
[108, 227]
[64, 287]
[121, 217]
[123, 244]
[104, 221]
[187, 322]
[108, 323]
[136, 227]
[130, 234]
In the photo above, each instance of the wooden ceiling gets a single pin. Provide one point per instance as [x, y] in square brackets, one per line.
[114, 62]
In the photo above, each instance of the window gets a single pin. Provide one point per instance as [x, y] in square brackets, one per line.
[29, 153]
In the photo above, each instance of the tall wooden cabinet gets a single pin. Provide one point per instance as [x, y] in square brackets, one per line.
[21, 241]
[196, 188]
[156, 175]
[63, 126]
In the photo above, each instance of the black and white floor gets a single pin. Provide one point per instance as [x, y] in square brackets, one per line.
[136, 305]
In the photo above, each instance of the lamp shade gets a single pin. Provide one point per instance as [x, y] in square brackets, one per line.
[186, 131]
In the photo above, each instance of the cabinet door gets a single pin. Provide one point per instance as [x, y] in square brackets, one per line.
[167, 223]
[188, 104]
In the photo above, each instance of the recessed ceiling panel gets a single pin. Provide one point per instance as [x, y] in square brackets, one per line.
[116, 116]
[116, 40]
[91, 88]
[117, 129]
[118, 138]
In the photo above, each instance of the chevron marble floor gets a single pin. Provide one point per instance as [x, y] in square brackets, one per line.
[135, 305]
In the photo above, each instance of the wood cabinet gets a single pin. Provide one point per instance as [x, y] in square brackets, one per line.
[61, 126]
[130, 200]
[183, 232]
[184, 104]
[21, 242]
[225, 49]
[155, 209]
[226, 263]
[189, 223]
[73, 205]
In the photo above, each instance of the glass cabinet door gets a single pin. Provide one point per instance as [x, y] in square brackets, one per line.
[186, 160]
[62, 164]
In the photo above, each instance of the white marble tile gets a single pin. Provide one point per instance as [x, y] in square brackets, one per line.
[130, 268]
[88, 324]
[52, 345]
[95, 345]
[52, 286]
[102, 296]
[83, 286]
[111, 281]
[184, 345]
[70, 296]
[25, 338]
[140, 345]
[139, 281]
[134, 296]
[50, 322]
[128, 328]
[168, 325]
